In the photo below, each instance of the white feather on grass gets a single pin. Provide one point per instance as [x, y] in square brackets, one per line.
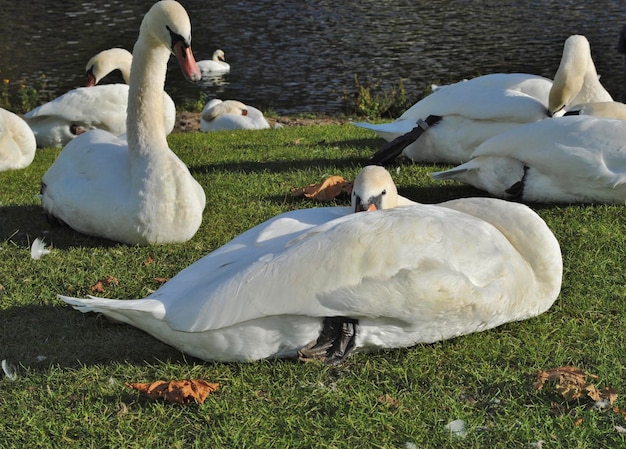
[38, 249]
[9, 370]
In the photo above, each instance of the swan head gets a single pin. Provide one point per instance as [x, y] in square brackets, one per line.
[168, 23]
[218, 55]
[570, 76]
[374, 189]
[106, 62]
[605, 109]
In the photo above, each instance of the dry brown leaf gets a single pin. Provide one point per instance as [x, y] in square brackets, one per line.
[389, 400]
[98, 287]
[327, 190]
[178, 391]
[161, 280]
[149, 260]
[572, 383]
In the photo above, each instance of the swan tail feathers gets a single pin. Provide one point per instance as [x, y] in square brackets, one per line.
[453, 173]
[118, 309]
[394, 148]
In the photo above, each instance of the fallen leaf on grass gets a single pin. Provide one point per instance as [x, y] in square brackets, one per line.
[178, 391]
[328, 190]
[572, 383]
[161, 280]
[98, 287]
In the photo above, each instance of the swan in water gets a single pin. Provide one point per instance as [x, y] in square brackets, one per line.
[133, 190]
[217, 65]
[449, 124]
[218, 115]
[570, 159]
[17, 142]
[324, 282]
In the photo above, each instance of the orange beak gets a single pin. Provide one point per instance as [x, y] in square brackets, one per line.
[187, 62]
[371, 207]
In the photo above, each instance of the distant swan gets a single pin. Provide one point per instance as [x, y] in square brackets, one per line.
[322, 283]
[134, 191]
[17, 142]
[214, 66]
[449, 124]
[571, 159]
[231, 114]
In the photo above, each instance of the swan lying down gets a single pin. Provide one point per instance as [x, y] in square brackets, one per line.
[324, 282]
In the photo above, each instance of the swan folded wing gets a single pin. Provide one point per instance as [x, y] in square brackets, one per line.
[73, 189]
[362, 265]
[92, 107]
[577, 147]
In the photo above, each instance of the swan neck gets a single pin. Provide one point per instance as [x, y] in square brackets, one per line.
[144, 122]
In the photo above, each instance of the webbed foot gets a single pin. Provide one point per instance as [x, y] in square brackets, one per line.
[335, 343]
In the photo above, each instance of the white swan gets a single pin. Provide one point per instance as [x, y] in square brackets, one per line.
[107, 61]
[17, 142]
[218, 115]
[449, 124]
[135, 191]
[325, 281]
[112, 59]
[217, 65]
[568, 159]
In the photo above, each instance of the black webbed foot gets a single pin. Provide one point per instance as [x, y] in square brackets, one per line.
[393, 149]
[335, 343]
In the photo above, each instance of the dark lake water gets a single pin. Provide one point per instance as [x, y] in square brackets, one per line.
[300, 56]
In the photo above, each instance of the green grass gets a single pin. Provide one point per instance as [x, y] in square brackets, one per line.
[76, 396]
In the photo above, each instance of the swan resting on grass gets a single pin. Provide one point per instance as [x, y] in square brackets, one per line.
[570, 159]
[449, 124]
[135, 191]
[321, 283]
[219, 115]
[17, 142]
[107, 61]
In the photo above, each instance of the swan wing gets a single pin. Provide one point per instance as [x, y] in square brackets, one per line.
[394, 263]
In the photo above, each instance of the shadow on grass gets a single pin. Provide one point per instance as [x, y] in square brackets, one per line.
[274, 166]
[68, 338]
[23, 224]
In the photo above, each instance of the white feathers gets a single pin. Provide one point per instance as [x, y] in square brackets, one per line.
[38, 249]
[9, 369]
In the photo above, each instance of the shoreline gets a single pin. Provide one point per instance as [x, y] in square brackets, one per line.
[187, 121]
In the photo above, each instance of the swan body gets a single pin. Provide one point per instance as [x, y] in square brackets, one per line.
[470, 112]
[17, 142]
[407, 274]
[219, 115]
[571, 159]
[133, 190]
[217, 65]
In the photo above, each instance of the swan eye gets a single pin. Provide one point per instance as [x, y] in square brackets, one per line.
[384, 192]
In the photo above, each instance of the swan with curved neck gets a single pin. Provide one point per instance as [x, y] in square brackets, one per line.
[449, 124]
[218, 115]
[576, 80]
[325, 282]
[107, 61]
[135, 191]
[113, 59]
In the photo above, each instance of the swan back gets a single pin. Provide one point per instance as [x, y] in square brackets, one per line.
[106, 62]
